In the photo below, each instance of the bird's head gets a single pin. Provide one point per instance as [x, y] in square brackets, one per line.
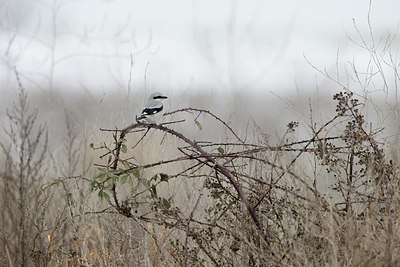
[157, 96]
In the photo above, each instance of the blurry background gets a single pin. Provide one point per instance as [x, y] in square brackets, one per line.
[263, 58]
[219, 46]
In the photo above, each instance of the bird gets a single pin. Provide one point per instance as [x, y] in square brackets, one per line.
[153, 109]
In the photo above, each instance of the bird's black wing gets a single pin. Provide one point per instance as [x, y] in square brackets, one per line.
[151, 111]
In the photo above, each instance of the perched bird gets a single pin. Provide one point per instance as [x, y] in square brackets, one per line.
[153, 109]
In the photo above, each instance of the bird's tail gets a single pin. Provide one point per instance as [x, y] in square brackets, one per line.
[141, 117]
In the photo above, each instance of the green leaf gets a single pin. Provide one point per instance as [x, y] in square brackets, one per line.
[146, 183]
[108, 186]
[112, 171]
[103, 195]
[124, 148]
[221, 150]
[136, 172]
[124, 178]
[94, 185]
[166, 203]
[101, 176]
[198, 125]
[114, 178]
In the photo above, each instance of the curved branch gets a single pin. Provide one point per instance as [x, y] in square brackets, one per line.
[220, 168]
[209, 113]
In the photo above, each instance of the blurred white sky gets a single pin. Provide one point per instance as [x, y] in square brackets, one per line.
[215, 45]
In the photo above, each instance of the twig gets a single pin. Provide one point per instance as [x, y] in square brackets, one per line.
[220, 168]
[209, 113]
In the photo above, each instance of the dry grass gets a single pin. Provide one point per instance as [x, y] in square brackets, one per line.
[153, 197]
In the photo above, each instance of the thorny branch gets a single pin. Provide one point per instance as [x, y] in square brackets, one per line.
[248, 175]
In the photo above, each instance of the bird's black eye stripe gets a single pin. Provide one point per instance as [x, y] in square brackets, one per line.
[160, 97]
